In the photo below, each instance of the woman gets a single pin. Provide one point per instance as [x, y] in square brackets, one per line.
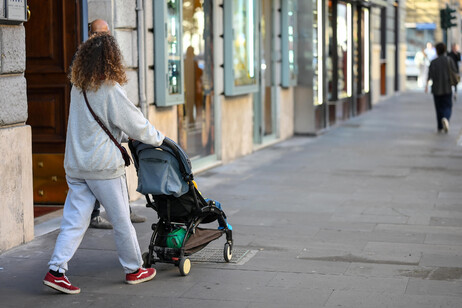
[94, 165]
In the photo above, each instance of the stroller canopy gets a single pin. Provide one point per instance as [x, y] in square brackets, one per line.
[162, 170]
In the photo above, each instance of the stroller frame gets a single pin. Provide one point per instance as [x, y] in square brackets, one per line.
[202, 211]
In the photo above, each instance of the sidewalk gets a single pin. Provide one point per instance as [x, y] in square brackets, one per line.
[367, 215]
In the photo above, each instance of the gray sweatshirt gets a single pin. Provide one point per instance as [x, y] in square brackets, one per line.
[90, 153]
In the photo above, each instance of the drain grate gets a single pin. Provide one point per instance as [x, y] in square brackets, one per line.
[215, 255]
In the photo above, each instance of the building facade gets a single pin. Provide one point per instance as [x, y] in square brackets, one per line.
[222, 77]
[423, 24]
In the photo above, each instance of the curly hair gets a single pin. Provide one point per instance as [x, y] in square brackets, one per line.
[98, 60]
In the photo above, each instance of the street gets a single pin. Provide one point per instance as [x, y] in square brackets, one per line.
[368, 214]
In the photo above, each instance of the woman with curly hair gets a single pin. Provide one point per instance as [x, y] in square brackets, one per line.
[95, 168]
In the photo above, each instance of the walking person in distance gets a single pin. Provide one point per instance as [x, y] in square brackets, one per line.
[438, 73]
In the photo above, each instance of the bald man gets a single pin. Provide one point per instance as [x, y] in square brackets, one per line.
[99, 25]
[98, 222]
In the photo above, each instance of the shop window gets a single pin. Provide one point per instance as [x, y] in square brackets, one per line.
[240, 35]
[331, 74]
[168, 53]
[357, 50]
[196, 133]
[318, 53]
[365, 43]
[288, 26]
[343, 50]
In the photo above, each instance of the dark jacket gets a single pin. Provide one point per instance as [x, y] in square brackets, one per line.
[438, 72]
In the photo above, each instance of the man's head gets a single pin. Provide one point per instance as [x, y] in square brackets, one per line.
[440, 49]
[455, 47]
[98, 26]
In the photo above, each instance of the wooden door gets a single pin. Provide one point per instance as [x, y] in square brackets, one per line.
[52, 37]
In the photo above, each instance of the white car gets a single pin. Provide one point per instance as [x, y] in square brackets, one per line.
[412, 71]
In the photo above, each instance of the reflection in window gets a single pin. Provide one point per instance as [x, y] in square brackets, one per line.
[317, 53]
[357, 51]
[291, 32]
[243, 42]
[365, 51]
[330, 51]
[174, 52]
[342, 50]
[266, 69]
[196, 116]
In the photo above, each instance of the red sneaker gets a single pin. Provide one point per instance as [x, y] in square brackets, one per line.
[142, 275]
[61, 284]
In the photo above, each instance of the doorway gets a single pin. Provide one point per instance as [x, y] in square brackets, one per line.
[264, 107]
[196, 129]
[52, 37]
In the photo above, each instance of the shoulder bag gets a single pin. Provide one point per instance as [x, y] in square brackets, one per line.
[454, 77]
[124, 152]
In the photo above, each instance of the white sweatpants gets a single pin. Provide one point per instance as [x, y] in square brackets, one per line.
[79, 204]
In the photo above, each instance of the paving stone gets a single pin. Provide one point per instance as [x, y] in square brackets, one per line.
[279, 262]
[441, 259]
[375, 299]
[273, 295]
[374, 236]
[444, 239]
[339, 282]
[446, 221]
[387, 270]
[432, 287]
[413, 249]
[419, 229]
[369, 218]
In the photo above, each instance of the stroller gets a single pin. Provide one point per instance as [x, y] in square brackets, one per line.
[165, 178]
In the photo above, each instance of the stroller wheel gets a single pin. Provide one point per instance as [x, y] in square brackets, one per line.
[227, 252]
[146, 263]
[184, 266]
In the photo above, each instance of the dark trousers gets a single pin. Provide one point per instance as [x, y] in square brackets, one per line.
[96, 209]
[443, 107]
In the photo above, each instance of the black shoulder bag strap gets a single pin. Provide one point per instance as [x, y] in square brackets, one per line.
[124, 152]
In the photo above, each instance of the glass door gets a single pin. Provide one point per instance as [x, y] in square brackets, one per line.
[264, 107]
[196, 115]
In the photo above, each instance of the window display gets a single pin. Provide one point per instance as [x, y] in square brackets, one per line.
[288, 28]
[342, 50]
[168, 53]
[196, 125]
[240, 23]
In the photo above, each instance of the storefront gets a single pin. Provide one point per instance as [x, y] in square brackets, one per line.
[223, 78]
[216, 76]
[348, 66]
[350, 54]
[223, 68]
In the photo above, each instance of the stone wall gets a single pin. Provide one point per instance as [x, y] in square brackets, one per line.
[237, 127]
[16, 202]
[285, 98]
